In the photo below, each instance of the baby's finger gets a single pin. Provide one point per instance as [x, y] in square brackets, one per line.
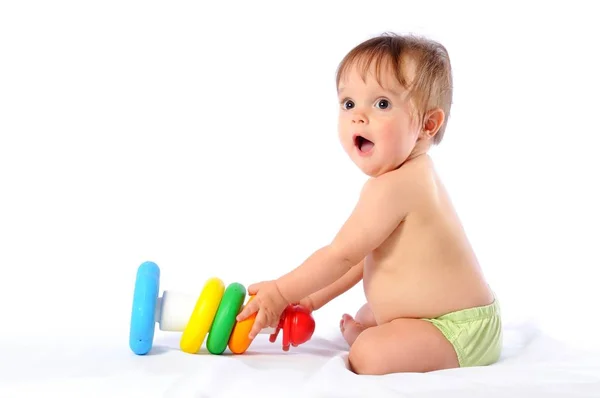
[253, 288]
[258, 325]
[248, 310]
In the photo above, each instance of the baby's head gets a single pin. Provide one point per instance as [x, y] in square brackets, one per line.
[395, 94]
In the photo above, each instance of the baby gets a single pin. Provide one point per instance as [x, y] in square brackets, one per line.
[428, 305]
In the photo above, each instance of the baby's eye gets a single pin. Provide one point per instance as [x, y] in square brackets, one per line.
[383, 104]
[347, 104]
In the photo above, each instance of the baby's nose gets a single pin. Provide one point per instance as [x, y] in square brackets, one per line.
[359, 118]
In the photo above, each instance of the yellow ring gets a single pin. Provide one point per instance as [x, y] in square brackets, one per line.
[203, 315]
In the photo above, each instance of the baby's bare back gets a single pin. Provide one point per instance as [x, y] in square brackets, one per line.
[426, 268]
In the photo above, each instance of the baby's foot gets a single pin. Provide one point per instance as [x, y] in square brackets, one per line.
[350, 328]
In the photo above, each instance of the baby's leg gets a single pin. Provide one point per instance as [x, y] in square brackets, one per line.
[403, 345]
[351, 328]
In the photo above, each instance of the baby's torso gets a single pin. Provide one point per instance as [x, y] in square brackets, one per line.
[426, 268]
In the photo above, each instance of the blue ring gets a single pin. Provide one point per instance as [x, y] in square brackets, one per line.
[145, 295]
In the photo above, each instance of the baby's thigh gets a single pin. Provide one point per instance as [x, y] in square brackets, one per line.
[403, 345]
[365, 316]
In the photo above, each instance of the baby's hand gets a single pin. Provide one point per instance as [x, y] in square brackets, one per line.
[268, 302]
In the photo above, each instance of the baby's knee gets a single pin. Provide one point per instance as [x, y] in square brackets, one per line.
[363, 358]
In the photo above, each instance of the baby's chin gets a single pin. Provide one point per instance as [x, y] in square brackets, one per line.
[375, 167]
[368, 158]
[371, 169]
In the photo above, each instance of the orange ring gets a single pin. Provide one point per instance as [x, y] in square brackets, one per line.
[239, 340]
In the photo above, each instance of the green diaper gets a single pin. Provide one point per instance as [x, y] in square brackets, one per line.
[475, 334]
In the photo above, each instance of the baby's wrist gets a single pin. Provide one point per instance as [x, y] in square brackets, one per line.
[282, 292]
[310, 303]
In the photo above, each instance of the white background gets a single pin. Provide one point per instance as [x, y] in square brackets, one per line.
[203, 137]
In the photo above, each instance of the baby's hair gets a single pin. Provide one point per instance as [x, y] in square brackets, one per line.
[432, 85]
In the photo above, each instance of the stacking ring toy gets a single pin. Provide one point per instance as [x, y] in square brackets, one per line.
[212, 314]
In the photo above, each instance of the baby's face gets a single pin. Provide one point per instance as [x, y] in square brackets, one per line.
[376, 123]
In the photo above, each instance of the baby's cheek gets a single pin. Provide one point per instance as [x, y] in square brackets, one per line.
[391, 132]
[343, 136]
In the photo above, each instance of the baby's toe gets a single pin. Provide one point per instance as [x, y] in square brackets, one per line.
[345, 321]
[350, 328]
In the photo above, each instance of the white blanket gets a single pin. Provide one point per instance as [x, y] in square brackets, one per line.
[533, 365]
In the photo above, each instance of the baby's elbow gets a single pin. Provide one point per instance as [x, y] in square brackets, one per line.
[343, 258]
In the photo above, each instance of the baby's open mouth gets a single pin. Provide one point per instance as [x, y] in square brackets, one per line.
[363, 144]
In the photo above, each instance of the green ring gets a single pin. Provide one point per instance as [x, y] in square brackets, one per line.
[222, 326]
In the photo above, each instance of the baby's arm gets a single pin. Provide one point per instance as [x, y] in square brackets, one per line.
[381, 208]
[342, 285]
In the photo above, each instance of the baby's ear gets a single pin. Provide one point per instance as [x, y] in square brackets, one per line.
[432, 122]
